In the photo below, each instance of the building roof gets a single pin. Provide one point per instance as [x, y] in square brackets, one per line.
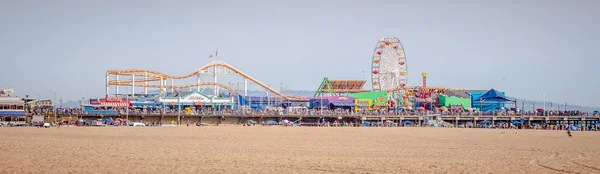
[11, 101]
[462, 93]
[345, 86]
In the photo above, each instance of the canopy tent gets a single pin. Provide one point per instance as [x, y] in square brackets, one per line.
[494, 95]
[485, 122]
[488, 101]
[107, 119]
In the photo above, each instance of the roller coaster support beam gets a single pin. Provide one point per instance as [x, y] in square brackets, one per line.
[146, 83]
[162, 84]
[117, 87]
[132, 85]
[198, 82]
[172, 89]
[246, 87]
[107, 80]
[215, 76]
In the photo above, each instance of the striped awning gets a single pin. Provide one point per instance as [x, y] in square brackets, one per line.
[117, 104]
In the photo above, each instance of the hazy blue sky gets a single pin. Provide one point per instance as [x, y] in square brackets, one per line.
[525, 48]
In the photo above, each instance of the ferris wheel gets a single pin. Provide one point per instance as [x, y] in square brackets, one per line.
[389, 67]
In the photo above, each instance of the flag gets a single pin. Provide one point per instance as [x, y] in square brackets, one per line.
[210, 56]
[217, 52]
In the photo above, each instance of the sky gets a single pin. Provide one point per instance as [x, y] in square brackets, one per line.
[525, 48]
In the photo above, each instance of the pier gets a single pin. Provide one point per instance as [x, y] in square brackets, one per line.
[416, 120]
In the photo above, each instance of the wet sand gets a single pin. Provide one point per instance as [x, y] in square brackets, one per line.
[237, 149]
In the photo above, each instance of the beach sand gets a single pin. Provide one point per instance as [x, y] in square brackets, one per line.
[237, 149]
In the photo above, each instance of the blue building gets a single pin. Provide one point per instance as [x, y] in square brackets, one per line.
[491, 100]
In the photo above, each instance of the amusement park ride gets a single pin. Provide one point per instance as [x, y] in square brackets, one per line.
[154, 79]
[388, 73]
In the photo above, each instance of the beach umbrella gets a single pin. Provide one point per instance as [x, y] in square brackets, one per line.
[107, 119]
[366, 124]
[469, 124]
[516, 122]
[443, 108]
[485, 121]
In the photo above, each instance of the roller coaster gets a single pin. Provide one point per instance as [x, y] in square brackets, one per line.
[153, 79]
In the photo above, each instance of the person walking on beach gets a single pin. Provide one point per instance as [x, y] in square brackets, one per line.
[569, 131]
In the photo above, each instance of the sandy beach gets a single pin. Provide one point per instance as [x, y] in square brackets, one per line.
[237, 149]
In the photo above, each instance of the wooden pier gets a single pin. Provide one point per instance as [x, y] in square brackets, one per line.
[309, 119]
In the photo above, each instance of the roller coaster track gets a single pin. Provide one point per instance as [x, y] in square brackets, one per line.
[178, 86]
[153, 76]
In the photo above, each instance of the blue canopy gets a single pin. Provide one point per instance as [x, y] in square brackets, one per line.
[516, 122]
[493, 95]
[366, 124]
[107, 119]
[142, 104]
[486, 121]
[407, 122]
[12, 113]
[342, 104]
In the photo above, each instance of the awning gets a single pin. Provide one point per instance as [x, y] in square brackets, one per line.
[196, 104]
[117, 104]
[144, 104]
[342, 104]
[12, 113]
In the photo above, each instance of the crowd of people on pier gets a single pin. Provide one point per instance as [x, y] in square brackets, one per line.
[327, 112]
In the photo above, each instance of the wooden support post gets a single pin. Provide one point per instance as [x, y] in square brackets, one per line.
[456, 121]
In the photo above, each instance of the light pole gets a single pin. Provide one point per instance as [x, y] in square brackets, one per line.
[481, 105]
[544, 113]
[54, 105]
[179, 111]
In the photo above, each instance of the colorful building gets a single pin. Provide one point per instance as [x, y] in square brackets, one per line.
[454, 102]
[377, 99]
[195, 99]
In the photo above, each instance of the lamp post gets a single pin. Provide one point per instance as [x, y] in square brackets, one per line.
[544, 113]
[179, 111]
[481, 105]
[54, 105]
